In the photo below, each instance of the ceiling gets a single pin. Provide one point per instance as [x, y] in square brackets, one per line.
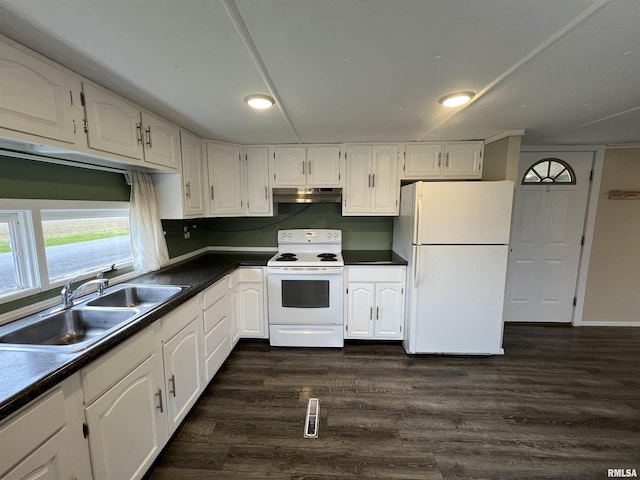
[567, 72]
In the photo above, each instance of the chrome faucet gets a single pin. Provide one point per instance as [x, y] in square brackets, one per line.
[68, 295]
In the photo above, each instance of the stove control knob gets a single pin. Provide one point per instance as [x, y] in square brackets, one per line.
[289, 235]
[283, 235]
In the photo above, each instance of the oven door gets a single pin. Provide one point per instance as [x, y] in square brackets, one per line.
[305, 296]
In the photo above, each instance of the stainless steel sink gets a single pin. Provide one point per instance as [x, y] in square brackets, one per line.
[75, 328]
[135, 296]
[86, 323]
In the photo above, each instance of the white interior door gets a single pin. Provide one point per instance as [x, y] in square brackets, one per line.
[546, 237]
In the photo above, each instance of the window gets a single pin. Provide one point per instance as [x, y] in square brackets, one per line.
[550, 170]
[84, 241]
[44, 243]
[17, 273]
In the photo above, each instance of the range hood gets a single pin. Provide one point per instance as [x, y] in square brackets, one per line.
[307, 195]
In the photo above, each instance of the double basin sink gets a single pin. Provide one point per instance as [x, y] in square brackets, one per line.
[82, 325]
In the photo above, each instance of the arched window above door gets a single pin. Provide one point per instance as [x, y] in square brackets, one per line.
[550, 170]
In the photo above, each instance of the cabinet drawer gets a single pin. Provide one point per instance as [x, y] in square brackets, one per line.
[216, 313]
[179, 318]
[212, 294]
[31, 426]
[376, 274]
[114, 365]
[249, 274]
[217, 347]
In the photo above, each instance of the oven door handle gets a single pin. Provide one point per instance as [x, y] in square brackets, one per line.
[305, 271]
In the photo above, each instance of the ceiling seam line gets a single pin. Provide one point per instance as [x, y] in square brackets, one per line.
[591, 122]
[241, 27]
[526, 59]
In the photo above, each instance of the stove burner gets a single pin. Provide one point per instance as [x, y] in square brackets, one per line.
[328, 256]
[287, 257]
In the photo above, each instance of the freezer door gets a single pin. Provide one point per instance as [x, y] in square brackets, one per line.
[464, 212]
[458, 296]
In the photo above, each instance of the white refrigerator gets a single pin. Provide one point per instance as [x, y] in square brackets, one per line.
[455, 237]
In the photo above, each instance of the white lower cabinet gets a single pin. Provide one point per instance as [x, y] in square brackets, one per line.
[44, 439]
[125, 409]
[249, 302]
[183, 372]
[217, 326]
[375, 303]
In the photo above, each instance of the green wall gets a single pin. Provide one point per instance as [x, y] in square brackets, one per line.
[20, 178]
[368, 233]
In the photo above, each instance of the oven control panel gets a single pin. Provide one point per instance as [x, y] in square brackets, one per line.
[306, 236]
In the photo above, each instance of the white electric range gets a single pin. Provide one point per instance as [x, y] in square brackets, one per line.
[305, 287]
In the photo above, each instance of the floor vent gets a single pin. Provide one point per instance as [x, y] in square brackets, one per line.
[313, 418]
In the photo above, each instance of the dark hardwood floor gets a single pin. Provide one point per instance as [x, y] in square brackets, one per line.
[562, 403]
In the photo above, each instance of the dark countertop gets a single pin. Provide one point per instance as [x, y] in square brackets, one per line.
[26, 374]
[372, 257]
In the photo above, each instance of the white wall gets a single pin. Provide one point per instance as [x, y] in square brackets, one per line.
[613, 279]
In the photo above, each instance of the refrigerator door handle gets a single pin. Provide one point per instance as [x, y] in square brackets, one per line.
[416, 264]
[416, 222]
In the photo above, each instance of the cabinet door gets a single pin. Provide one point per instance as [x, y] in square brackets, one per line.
[422, 161]
[182, 368]
[43, 464]
[225, 179]
[289, 167]
[192, 172]
[234, 314]
[251, 310]
[259, 198]
[385, 184]
[463, 160]
[114, 125]
[357, 191]
[323, 166]
[389, 310]
[36, 96]
[125, 425]
[360, 306]
[161, 141]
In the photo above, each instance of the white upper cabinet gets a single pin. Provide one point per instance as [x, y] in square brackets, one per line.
[463, 160]
[114, 125]
[323, 166]
[161, 141]
[289, 167]
[37, 96]
[424, 161]
[259, 197]
[224, 166]
[313, 166]
[372, 185]
[192, 174]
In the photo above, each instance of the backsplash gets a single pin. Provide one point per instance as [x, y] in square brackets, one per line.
[368, 233]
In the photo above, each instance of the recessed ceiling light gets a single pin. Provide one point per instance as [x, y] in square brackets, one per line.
[260, 102]
[456, 99]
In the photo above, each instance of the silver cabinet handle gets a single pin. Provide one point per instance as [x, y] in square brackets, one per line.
[377, 313]
[309, 167]
[188, 188]
[371, 313]
[173, 383]
[212, 197]
[373, 181]
[139, 129]
[303, 167]
[148, 132]
[159, 395]
[266, 193]
[369, 183]
[439, 159]
[446, 163]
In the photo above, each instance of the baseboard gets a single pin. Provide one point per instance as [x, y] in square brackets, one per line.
[604, 323]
